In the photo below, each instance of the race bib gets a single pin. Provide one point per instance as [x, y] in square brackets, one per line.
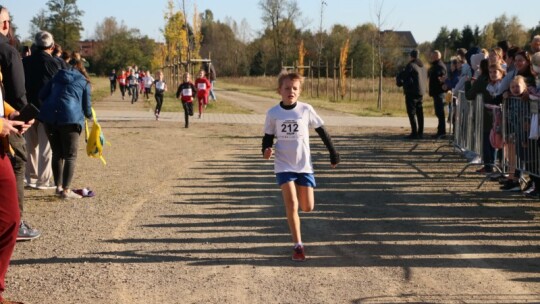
[289, 130]
[201, 86]
[160, 85]
[187, 92]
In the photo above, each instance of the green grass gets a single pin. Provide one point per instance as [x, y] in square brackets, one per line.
[100, 88]
[360, 101]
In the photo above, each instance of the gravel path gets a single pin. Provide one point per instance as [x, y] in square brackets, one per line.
[194, 216]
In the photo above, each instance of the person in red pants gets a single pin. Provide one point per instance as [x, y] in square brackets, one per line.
[9, 201]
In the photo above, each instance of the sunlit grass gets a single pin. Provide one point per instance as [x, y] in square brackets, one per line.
[101, 89]
[361, 100]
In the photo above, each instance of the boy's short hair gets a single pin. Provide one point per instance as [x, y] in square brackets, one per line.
[289, 75]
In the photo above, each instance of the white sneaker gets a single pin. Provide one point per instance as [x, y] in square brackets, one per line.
[45, 187]
[68, 194]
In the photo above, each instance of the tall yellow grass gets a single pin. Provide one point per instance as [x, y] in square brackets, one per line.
[361, 98]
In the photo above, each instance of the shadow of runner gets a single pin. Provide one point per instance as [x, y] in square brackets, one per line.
[386, 205]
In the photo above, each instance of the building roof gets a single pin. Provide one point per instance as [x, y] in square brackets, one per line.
[406, 38]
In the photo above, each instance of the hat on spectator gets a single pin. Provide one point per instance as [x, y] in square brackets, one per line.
[414, 54]
[43, 40]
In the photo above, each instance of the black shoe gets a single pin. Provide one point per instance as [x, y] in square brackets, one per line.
[511, 186]
[439, 135]
[533, 194]
[411, 136]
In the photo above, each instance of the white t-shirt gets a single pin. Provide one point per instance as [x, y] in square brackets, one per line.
[160, 85]
[148, 81]
[291, 130]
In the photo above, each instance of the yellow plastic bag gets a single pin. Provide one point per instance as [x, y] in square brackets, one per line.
[95, 140]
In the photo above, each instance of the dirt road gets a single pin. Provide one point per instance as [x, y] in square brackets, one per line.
[194, 216]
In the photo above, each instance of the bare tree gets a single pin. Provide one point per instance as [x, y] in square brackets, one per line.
[279, 16]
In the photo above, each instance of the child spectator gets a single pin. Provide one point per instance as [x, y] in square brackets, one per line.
[186, 92]
[289, 122]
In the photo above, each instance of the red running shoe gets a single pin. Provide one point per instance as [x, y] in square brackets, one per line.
[298, 254]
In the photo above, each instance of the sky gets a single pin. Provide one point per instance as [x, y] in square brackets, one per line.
[424, 18]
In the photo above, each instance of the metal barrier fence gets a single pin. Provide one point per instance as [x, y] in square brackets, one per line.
[469, 128]
[520, 135]
[519, 129]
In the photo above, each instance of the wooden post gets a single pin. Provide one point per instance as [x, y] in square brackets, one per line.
[351, 79]
[326, 77]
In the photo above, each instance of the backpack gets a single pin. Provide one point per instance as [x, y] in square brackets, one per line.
[95, 140]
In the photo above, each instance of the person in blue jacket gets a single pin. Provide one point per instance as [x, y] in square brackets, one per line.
[66, 102]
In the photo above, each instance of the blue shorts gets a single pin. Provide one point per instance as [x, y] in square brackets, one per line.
[302, 179]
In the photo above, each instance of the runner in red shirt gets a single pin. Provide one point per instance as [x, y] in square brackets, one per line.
[203, 89]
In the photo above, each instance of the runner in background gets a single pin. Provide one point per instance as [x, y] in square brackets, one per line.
[112, 79]
[203, 88]
[289, 122]
[161, 88]
[122, 83]
[148, 81]
[186, 91]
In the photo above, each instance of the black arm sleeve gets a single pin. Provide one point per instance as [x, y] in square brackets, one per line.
[267, 142]
[334, 155]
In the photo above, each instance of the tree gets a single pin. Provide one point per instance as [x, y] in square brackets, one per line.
[120, 46]
[64, 24]
[108, 29]
[278, 17]
[504, 28]
[257, 65]
[39, 22]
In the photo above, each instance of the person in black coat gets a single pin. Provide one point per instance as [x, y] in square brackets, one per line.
[413, 78]
[437, 76]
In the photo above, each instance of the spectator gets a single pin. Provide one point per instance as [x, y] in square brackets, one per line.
[535, 44]
[9, 190]
[414, 81]
[66, 101]
[211, 72]
[39, 68]
[57, 55]
[480, 87]
[496, 56]
[437, 75]
[15, 93]
[511, 72]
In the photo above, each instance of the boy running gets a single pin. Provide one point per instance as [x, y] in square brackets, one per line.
[186, 91]
[289, 122]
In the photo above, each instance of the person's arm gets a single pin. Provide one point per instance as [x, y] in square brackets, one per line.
[87, 101]
[327, 140]
[267, 143]
[179, 91]
[14, 81]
